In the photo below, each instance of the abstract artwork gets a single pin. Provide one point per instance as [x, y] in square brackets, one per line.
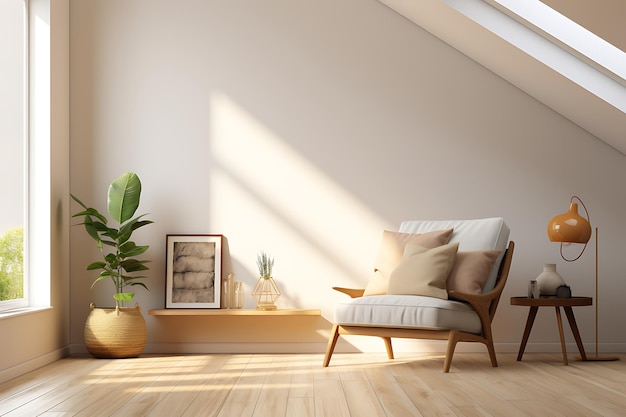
[193, 271]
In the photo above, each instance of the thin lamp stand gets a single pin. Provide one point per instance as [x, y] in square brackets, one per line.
[597, 357]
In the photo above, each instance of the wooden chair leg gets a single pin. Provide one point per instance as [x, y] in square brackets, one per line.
[452, 341]
[388, 347]
[489, 343]
[332, 341]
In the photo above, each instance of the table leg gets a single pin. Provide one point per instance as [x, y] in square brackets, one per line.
[532, 313]
[560, 323]
[572, 325]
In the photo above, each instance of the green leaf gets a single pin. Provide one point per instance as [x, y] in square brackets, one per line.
[91, 229]
[124, 296]
[91, 212]
[112, 233]
[111, 259]
[100, 278]
[133, 265]
[123, 197]
[96, 265]
[140, 284]
[129, 280]
[129, 249]
[127, 229]
[77, 200]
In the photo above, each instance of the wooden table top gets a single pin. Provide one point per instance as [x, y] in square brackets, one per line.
[551, 301]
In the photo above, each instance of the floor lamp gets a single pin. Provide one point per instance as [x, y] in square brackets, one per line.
[570, 227]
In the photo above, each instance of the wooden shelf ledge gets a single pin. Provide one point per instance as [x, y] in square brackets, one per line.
[233, 312]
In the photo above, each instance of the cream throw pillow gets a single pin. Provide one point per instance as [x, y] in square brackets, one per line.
[391, 251]
[471, 270]
[423, 271]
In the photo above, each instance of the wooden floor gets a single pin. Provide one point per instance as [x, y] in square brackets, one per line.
[363, 385]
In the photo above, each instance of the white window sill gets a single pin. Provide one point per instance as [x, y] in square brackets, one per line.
[22, 311]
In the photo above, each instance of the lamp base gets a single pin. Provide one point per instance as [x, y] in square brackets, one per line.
[597, 358]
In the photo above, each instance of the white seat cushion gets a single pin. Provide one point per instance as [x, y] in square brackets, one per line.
[407, 311]
[472, 235]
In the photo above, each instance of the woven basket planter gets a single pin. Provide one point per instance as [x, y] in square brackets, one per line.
[115, 333]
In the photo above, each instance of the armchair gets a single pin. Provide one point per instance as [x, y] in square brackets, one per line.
[480, 264]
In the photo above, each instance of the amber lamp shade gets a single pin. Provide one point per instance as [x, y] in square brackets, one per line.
[569, 227]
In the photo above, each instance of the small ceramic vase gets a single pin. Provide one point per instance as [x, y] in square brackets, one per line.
[549, 280]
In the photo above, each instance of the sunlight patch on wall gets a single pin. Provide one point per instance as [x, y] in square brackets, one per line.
[272, 198]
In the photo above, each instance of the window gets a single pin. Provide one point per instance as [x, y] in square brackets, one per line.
[13, 153]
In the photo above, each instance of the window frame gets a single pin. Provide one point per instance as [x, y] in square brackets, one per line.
[6, 305]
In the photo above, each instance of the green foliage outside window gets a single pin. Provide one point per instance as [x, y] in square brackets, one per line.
[12, 265]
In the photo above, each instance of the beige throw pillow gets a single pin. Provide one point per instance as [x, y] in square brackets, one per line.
[390, 254]
[471, 270]
[423, 271]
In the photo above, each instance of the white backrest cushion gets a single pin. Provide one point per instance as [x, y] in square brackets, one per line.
[478, 234]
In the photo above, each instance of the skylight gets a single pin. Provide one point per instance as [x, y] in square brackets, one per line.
[540, 16]
[555, 40]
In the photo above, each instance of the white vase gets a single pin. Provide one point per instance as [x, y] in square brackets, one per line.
[549, 280]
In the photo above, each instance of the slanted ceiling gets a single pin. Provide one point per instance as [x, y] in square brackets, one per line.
[597, 116]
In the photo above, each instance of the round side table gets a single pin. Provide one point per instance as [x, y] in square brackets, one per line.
[557, 303]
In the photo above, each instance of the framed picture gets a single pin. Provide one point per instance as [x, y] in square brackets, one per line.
[193, 271]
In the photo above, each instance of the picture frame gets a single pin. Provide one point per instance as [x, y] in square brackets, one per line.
[193, 271]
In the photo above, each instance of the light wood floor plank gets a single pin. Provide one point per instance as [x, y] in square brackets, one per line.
[391, 396]
[361, 399]
[300, 407]
[217, 387]
[429, 371]
[272, 401]
[46, 396]
[493, 404]
[224, 385]
[243, 396]
[301, 384]
[330, 400]
[473, 411]
[426, 400]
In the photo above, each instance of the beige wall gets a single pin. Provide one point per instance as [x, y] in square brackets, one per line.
[304, 129]
[30, 340]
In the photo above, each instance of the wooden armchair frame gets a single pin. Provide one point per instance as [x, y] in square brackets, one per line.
[485, 306]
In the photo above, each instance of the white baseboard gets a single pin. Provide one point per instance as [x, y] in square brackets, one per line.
[359, 344]
[194, 348]
[32, 364]
[78, 349]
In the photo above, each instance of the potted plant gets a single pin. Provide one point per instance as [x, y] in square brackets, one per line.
[121, 331]
[265, 291]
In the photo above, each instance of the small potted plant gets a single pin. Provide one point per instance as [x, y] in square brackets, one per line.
[121, 331]
[265, 291]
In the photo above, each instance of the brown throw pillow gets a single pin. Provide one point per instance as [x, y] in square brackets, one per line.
[390, 254]
[471, 270]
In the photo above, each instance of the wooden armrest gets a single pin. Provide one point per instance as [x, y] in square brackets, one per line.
[471, 298]
[352, 292]
[477, 301]
[481, 303]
